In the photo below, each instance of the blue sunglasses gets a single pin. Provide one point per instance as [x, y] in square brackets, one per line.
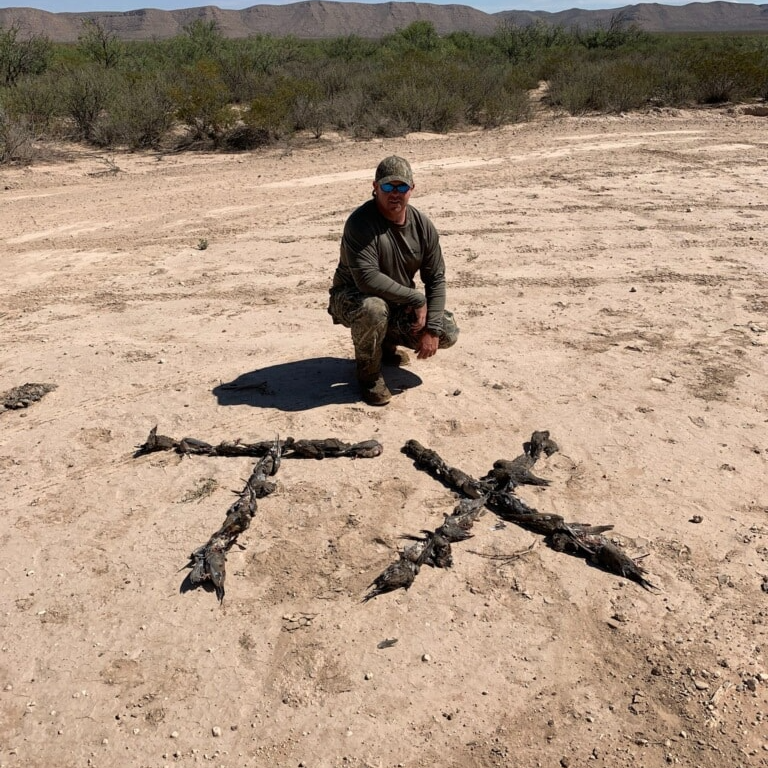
[401, 188]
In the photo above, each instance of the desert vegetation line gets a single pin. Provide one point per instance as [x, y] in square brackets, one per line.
[200, 89]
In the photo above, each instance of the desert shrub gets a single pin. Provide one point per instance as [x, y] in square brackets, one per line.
[345, 109]
[494, 96]
[420, 36]
[618, 33]
[674, 85]
[244, 137]
[524, 43]
[727, 74]
[272, 110]
[605, 85]
[576, 91]
[627, 83]
[15, 139]
[201, 40]
[98, 44]
[246, 65]
[374, 121]
[202, 100]
[422, 106]
[22, 56]
[289, 104]
[241, 75]
[420, 90]
[38, 101]
[348, 49]
[141, 112]
[470, 47]
[85, 93]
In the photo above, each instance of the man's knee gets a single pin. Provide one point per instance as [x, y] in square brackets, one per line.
[373, 311]
[450, 333]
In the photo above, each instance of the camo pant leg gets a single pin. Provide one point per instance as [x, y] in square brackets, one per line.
[367, 317]
[400, 333]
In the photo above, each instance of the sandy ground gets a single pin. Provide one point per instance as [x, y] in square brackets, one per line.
[609, 279]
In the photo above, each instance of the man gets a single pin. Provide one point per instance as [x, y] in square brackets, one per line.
[385, 243]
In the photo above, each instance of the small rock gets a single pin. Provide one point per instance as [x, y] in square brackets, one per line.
[368, 676]
[174, 734]
[696, 519]
[426, 658]
[701, 685]
[751, 683]
[216, 731]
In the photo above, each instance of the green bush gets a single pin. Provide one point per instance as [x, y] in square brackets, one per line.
[202, 101]
[99, 45]
[38, 100]
[727, 75]
[493, 96]
[85, 93]
[603, 86]
[420, 91]
[141, 113]
[22, 56]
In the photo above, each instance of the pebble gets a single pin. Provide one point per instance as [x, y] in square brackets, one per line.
[700, 685]
[174, 734]
[216, 731]
[368, 676]
[426, 657]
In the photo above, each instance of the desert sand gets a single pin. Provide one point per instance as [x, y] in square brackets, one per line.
[609, 278]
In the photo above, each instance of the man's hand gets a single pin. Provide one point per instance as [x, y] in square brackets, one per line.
[427, 345]
[419, 319]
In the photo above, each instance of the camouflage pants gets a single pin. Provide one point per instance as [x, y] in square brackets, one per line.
[375, 323]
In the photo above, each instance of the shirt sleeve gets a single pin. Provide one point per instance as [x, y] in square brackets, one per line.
[432, 274]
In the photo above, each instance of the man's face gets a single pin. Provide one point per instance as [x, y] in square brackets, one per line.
[392, 203]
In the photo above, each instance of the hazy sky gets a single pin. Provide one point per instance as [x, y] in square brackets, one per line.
[489, 6]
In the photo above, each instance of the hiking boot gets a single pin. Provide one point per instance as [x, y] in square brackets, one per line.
[375, 392]
[391, 355]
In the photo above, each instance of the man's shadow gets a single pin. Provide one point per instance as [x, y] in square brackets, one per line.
[305, 384]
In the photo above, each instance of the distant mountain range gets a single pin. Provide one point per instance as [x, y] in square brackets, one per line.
[324, 19]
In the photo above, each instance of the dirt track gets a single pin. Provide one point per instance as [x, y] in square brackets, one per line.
[609, 279]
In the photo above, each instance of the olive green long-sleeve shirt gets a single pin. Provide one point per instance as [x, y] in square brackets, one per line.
[381, 258]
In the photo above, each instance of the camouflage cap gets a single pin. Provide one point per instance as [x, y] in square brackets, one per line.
[394, 168]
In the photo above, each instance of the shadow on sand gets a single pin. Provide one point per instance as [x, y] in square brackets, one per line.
[304, 384]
